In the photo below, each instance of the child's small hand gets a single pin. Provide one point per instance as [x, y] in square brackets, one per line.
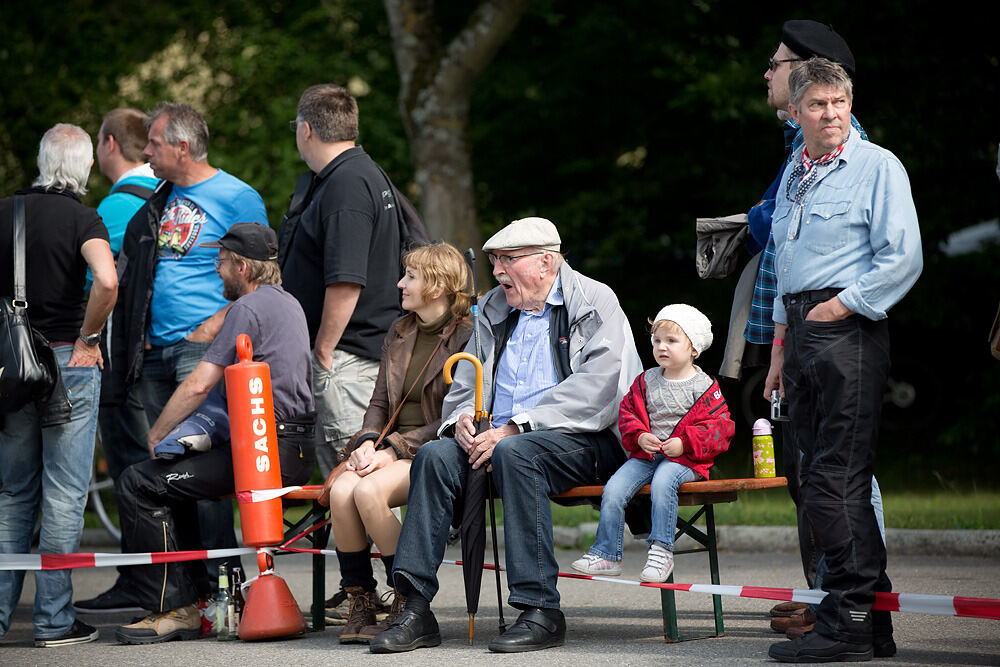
[649, 443]
[672, 448]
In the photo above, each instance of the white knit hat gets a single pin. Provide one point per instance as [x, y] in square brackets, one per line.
[696, 326]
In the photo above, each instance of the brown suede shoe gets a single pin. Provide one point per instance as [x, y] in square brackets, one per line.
[797, 631]
[785, 623]
[788, 609]
[360, 613]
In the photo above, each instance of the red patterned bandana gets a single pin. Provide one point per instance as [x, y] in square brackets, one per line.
[804, 171]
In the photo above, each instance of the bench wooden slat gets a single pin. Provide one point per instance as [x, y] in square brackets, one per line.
[727, 487]
[707, 486]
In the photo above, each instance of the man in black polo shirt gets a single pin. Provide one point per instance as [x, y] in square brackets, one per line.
[340, 252]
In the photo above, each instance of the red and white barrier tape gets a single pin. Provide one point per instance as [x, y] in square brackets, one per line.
[260, 495]
[72, 561]
[940, 605]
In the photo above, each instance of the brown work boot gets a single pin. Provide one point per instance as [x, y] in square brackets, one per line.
[800, 621]
[788, 609]
[360, 613]
[398, 602]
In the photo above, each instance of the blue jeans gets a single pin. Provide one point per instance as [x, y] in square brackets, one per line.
[47, 469]
[665, 476]
[163, 369]
[527, 469]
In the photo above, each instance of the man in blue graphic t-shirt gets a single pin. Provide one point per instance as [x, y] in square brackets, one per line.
[185, 306]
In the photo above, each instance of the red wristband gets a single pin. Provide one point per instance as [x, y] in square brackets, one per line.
[779, 342]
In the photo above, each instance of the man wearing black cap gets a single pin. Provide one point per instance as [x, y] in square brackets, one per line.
[159, 494]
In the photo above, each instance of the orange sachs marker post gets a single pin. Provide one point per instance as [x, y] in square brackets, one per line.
[254, 444]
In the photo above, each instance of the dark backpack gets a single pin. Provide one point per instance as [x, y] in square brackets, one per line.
[412, 231]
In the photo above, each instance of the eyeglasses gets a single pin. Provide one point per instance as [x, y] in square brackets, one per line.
[772, 64]
[293, 125]
[507, 260]
[219, 260]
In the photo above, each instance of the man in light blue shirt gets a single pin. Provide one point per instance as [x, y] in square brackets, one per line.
[847, 249]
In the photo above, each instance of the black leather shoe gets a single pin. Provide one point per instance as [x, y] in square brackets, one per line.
[814, 647]
[115, 599]
[411, 630]
[533, 630]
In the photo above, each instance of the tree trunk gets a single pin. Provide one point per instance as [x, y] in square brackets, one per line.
[436, 81]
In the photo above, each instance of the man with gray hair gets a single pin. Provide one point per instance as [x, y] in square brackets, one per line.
[340, 250]
[557, 355]
[842, 262]
[169, 276]
[45, 457]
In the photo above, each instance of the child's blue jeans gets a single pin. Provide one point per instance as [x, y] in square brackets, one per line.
[665, 476]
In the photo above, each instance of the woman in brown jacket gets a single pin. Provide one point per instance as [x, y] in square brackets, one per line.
[404, 413]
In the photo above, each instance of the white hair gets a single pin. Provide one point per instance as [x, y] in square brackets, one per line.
[65, 155]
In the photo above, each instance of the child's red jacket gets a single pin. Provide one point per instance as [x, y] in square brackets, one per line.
[705, 430]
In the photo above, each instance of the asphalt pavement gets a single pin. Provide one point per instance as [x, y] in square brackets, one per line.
[609, 623]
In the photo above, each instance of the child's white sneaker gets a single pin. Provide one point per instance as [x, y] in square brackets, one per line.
[590, 563]
[659, 565]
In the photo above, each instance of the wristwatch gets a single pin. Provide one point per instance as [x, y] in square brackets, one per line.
[92, 339]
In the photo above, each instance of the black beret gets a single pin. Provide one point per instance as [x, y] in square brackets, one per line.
[809, 38]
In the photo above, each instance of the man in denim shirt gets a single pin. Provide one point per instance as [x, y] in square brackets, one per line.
[847, 249]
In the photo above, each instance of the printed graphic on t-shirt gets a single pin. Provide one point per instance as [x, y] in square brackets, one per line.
[180, 226]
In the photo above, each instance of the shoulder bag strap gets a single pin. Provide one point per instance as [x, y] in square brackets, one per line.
[20, 296]
[399, 407]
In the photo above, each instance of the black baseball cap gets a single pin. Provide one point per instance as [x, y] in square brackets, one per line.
[811, 38]
[249, 239]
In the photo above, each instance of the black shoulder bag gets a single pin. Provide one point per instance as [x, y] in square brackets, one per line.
[28, 368]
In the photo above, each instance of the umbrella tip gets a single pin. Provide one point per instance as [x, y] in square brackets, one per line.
[472, 627]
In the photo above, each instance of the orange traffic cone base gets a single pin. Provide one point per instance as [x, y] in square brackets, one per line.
[270, 611]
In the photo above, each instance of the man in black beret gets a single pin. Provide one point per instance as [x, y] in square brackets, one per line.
[800, 40]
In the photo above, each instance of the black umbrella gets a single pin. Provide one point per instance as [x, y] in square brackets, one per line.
[478, 487]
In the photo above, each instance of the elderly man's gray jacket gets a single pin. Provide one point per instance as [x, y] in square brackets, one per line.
[602, 361]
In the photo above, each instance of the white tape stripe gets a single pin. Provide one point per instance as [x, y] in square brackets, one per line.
[939, 605]
[20, 562]
[261, 495]
[808, 595]
[733, 591]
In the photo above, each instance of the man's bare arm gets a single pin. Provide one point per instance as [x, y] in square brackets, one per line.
[185, 399]
[338, 306]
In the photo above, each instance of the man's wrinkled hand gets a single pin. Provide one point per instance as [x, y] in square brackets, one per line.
[483, 444]
[465, 432]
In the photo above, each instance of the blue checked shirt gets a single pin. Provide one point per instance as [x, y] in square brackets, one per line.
[526, 370]
[760, 323]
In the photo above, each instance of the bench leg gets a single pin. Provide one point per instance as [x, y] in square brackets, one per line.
[713, 564]
[708, 543]
[318, 539]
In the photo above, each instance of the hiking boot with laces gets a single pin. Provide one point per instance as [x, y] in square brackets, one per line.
[360, 613]
[337, 608]
[398, 602]
[590, 563]
[659, 565]
[182, 623]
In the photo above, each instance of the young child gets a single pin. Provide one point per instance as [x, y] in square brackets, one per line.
[673, 421]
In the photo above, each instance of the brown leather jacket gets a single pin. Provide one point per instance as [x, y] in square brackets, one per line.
[389, 390]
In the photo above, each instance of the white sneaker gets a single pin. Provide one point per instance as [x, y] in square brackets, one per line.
[590, 563]
[659, 565]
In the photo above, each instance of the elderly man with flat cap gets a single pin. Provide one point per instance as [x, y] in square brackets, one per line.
[557, 355]
[160, 493]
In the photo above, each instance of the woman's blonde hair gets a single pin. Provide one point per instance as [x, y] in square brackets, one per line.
[442, 267]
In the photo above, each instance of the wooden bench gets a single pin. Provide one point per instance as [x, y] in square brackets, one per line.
[704, 495]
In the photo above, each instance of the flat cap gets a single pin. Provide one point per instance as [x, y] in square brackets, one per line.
[811, 38]
[526, 233]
